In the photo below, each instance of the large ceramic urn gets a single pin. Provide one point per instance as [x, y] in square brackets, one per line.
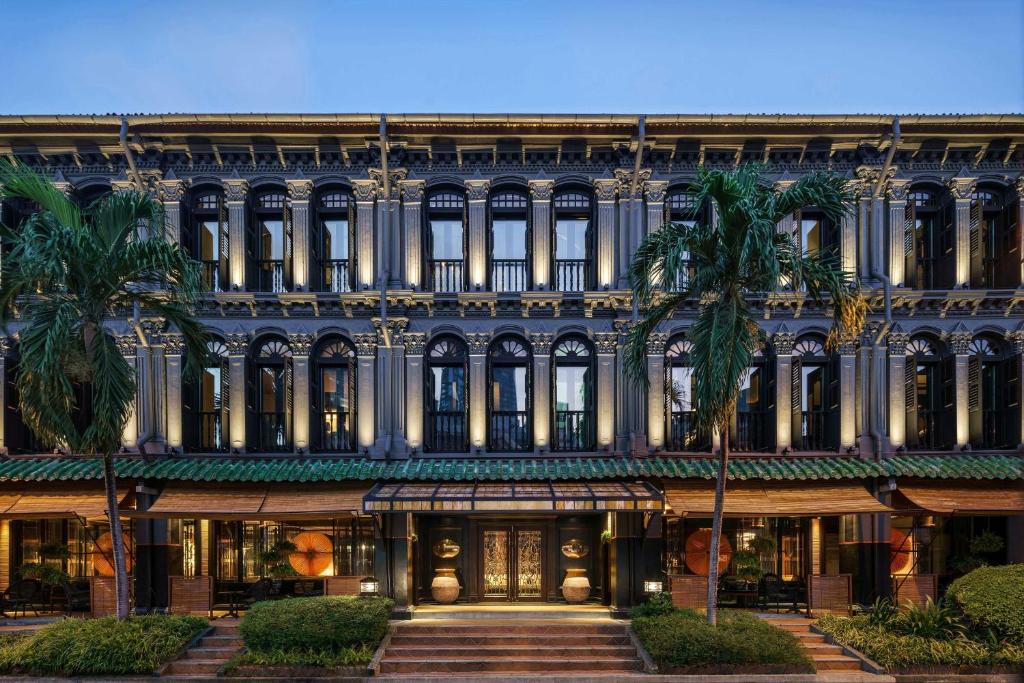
[445, 587]
[576, 586]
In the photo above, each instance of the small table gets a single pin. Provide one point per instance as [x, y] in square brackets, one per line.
[235, 599]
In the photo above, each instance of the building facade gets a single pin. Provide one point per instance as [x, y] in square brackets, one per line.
[416, 366]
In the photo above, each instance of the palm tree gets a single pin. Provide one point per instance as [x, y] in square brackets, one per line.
[723, 264]
[67, 276]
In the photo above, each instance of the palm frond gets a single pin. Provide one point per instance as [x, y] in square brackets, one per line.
[22, 181]
[826, 191]
[635, 350]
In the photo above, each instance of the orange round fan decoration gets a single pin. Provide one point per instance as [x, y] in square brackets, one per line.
[313, 553]
[900, 556]
[103, 555]
[698, 550]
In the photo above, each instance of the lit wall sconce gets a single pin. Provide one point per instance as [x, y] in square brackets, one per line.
[652, 586]
[369, 586]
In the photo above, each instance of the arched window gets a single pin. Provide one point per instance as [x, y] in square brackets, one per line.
[681, 207]
[508, 395]
[269, 246]
[206, 403]
[334, 244]
[88, 195]
[815, 397]
[334, 395]
[753, 428]
[995, 243]
[573, 368]
[930, 395]
[205, 235]
[993, 394]
[446, 241]
[928, 240]
[681, 385]
[510, 242]
[447, 414]
[271, 395]
[573, 248]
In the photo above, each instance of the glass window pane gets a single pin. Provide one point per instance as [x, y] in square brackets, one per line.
[272, 240]
[210, 398]
[571, 238]
[508, 389]
[509, 239]
[682, 389]
[571, 387]
[812, 394]
[335, 240]
[448, 389]
[447, 239]
[334, 383]
[209, 241]
[750, 391]
[271, 390]
[810, 235]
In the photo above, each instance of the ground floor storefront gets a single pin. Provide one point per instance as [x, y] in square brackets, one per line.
[542, 536]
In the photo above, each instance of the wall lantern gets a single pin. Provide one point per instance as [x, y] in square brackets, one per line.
[369, 586]
[652, 586]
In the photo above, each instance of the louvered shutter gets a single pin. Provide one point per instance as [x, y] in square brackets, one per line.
[977, 250]
[796, 393]
[909, 247]
[974, 399]
[224, 234]
[225, 405]
[186, 236]
[289, 251]
[254, 432]
[190, 408]
[289, 401]
[910, 398]
[352, 409]
[252, 245]
[946, 420]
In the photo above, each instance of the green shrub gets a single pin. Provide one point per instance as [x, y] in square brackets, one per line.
[657, 604]
[882, 612]
[930, 620]
[100, 647]
[684, 640]
[315, 624]
[993, 597]
[346, 656]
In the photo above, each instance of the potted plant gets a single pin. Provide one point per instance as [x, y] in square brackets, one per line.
[275, 559]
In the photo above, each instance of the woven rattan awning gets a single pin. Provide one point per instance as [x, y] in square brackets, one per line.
[90, 503]
[220, 501]
[773, 498]
[973, 497]
[513, 497]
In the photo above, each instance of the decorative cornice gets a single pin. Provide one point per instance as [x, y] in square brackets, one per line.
[783, 343]
[478, 342]
[412, 190]
[366, 344]
[299, 189]
[235, 189]
[364, 190]
[656, 343]
[606, 189]
[606, 342]
[415, 343]
[898, 343]
[541, 342]
[237, 344]
[301, 343]
[962, 188]
[540, 190]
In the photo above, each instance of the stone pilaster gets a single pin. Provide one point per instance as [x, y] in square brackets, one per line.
[5, 348]
[414, 345]
[412, 224]
[172, 191]
[366, 355]
[960, 346]
[783, 343]
[1019, 186]
[654, 194]
[606, 344]
[301, 344]
[127, 344]
[238, 347]
[787, 225]
[477, 342]
[541, 343]
[897, 388]
[847, 395]
[848, 239]
[962, 190]
[476, 193]
[605, 191]
[174, 347]
[300, 190]
[897, 230]
[234, 197]
[365, 194]
[540, 200]
[1017, 337]
[656, 390]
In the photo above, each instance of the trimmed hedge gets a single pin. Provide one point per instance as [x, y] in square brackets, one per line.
[321, 624]
[683, 639]
[100, 647]
[993, 597]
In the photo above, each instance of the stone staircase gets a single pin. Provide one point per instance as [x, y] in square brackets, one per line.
[827, 658]
[511, 647]
[208, 655]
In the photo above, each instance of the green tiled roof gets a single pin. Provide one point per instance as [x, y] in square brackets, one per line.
[959, 466]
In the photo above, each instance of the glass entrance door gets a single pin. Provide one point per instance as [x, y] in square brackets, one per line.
[512, 567]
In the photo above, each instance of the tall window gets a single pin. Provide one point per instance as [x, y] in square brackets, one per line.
[815, 397]
[446, 396]
[333, 244]
[335, 395]
[573, 361]
[269, 242]
[573, 238]
[993, 394]
[271, 395]
[681, 384]
[995, 245]
[681, 207]
[930, 395]
[509, 395]
[509, 242]
[928, 241]
[752, 428]
[446, 242]
[17, 436]
[205, 235]
[206, 403]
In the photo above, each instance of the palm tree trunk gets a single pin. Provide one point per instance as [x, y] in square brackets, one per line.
[716, 525]
[116, 537]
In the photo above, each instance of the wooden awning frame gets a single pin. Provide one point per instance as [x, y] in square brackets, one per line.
[226, 502]
[814, 498]
[84, 504]
[578, 496]
[959, 497]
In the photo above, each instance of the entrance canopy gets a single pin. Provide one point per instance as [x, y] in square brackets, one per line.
[972, 497]
[513, 497]
[80, 503]
[773, 498]
[226, 502]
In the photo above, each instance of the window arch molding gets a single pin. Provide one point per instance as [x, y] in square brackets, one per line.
[333, 242]
[509, 394]
[334, 394]
[573, 237]
[509, 238]
[446, 394]
[445, 238]
[573, 389]
[270, 394]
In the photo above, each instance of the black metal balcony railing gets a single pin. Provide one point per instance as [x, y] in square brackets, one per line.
[572, 431]
[750, 432]
[570, 275]
[211, 275]
[336, 431]
[993, 429]
[211, 432]
[273, 432]
[446, 275]
[337, 276]
[930, 431]
[446, 432]
[682, 279]
[508, 275]
[271, 275]
[683, 432]
[510, 431]
[812, 430]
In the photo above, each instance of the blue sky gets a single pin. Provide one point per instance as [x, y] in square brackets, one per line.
[822, 56]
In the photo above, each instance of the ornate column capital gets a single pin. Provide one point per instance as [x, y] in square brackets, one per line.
[898, 343]
[395, 328]
[848, 347]
[624, 176]
[1019, 186]
[366, 344]
[395, 176]
[477, 342]
[412, 190]
[476, 189]
[783, 343]
[540, 190]
[365, 190]
[541, 343]
[301, 343]
[237, 344]
[415, 343]
[299, 189]
[127, 344]
[235, 189]
[606, 189]
[962, 188]
[897, 188]
[174, 344]
[656, 343]
[1017, 339]
[623, 327]
[606, 342]
[655, 191]
[960, 343]
[5, 346]
[172, 191]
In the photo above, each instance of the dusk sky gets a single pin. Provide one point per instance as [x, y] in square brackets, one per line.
[818, 56]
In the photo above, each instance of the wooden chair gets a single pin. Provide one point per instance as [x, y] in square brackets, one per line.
[20, 596]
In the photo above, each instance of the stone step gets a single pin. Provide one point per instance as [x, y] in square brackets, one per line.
[221, 641]
[835, 663]
[822, 648]
[515, 640]
[501, 629]
[530, 615]
[211, 653]
[194, 666]
[546, 665]
[395, 652]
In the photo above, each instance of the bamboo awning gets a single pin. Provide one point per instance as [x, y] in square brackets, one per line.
[773, 498]
[512, 497]
[90, 503]
[977, 497]
[226, 502]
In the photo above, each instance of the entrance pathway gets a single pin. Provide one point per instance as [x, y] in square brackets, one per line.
[827, 658]
[210, 654]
